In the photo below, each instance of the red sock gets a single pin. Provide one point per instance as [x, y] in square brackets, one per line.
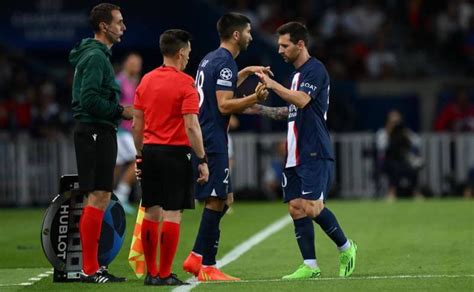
[169, 244]
[150, 245]
[90, 226]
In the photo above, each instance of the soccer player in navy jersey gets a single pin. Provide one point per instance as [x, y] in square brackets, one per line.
[309, 169]
[216, 81]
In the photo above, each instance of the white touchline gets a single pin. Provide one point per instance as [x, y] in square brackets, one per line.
[20, 284]
[241, 249]
[388, 277]
[31, 280]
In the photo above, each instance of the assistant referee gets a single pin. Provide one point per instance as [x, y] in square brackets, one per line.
[165, 128]
[96, 108]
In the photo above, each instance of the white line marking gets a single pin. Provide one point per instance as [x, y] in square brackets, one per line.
[253, 241]
[32, 279]
[273, 228]
[348, 279]
[21, 284]
[241, 249]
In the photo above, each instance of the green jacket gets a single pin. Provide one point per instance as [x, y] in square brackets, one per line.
[95, 93]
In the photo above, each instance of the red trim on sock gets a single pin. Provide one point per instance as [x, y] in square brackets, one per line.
[90, 226]
[169, 244]
[150, 245]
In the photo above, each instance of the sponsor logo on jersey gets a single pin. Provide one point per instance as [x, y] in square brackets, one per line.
[308, 85]
[224, 82]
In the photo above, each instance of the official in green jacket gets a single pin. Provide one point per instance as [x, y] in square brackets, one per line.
[96, 109]
[95, 93]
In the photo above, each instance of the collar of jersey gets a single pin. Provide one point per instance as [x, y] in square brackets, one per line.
[164, 67]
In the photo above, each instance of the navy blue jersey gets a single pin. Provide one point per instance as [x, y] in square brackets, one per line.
[217, 71]
[308, 136]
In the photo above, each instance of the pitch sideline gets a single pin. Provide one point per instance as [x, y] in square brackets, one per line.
[31, 280]
[388, 277]
[241, 249]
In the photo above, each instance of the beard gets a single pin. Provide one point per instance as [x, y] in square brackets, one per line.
[243, 44]
[114, 38]
[286, 59]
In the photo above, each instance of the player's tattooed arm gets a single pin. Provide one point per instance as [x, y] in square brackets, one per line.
[275, 113]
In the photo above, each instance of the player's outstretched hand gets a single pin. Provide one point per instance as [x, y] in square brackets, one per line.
[265, 79]
[261, 92]
[254, 69]
[203, 173]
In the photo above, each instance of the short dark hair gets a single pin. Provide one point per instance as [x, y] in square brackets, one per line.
[231, 22]
[172, 40]
[101, 13]
[297, 31]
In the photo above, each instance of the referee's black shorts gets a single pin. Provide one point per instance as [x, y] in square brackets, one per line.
[167, 177]
[96, 153]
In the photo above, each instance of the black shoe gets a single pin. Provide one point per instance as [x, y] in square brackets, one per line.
[150, 280]
[100, 277]
[172, 280]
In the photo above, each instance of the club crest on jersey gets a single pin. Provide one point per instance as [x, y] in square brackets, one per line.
[226, 74]
[308, 85]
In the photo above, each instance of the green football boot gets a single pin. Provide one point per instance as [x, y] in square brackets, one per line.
[303, 272]
[347, 260]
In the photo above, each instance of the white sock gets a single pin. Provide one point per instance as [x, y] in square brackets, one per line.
[196, 254]
[345, 246]
[122, 191]
[311, 263]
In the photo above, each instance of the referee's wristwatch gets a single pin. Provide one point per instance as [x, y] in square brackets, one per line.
[203, 159]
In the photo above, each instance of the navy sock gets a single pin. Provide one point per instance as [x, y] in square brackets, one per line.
[209, 235]
[224, 210]
[304, 232]
[198, 244]
[330, 226]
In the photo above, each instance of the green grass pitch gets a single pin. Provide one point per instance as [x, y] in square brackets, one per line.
[403, 246]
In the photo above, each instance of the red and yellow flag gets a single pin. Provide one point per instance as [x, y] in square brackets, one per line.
[136, 257]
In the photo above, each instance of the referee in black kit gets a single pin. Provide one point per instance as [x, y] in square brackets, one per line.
[95, 97]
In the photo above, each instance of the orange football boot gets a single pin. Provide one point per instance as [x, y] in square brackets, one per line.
[193, 263]
[214, 274]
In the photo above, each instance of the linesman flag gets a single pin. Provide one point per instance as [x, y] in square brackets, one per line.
[136, 257]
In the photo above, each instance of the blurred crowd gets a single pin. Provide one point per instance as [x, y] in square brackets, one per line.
[359, 39]
[31, 102]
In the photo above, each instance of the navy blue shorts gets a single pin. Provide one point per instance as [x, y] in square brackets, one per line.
[310, 181]
[219, 184]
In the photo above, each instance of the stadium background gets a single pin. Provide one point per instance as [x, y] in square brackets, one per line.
[421, 52]
[411, 56]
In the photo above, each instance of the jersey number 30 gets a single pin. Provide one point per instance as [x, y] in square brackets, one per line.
[326, 112]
